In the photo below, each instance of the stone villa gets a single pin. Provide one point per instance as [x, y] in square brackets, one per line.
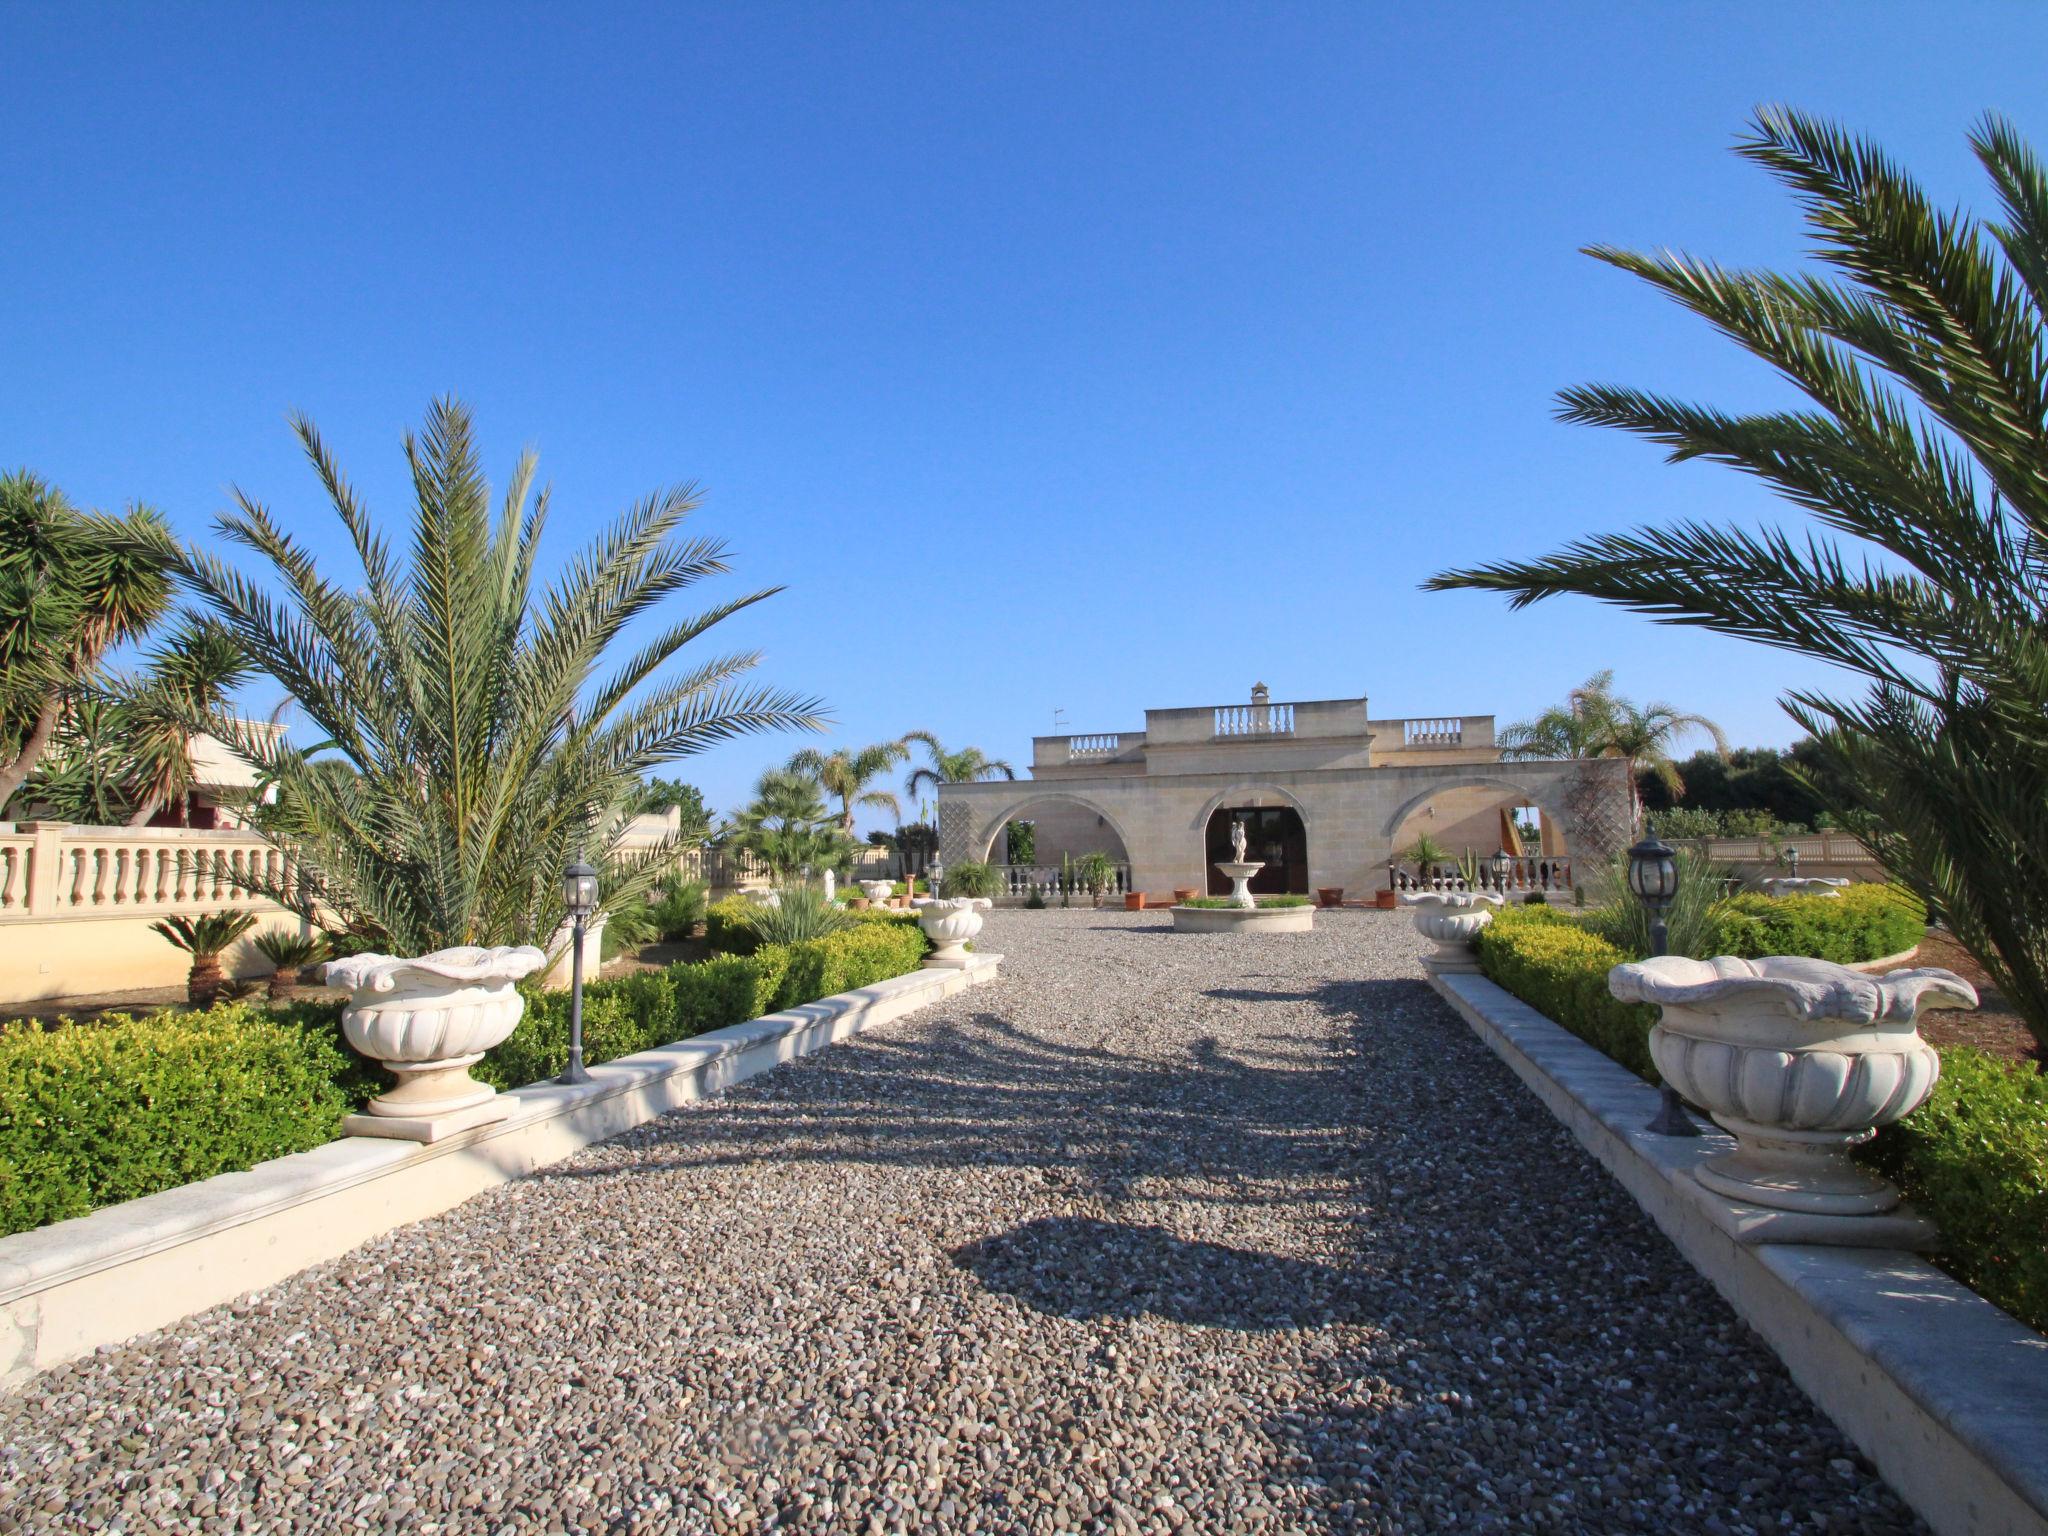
[1329, 795]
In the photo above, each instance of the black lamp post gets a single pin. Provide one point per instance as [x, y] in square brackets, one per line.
[1653, 876]
[1503, 864]
[579, 894]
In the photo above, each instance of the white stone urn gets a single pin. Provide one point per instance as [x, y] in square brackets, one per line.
[879, 891]
[1800, 1059]
[949, 925]
[1803, 885]
[429, 1021]
[1453, 919]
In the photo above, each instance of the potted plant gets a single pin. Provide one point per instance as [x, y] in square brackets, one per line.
[1800, 1060]
[288, 954]
[1184, 893]
[1096, 874]
[1329, 895]
[205, 938]
[1453, 919]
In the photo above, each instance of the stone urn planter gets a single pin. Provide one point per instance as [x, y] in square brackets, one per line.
[1800, 1060]
[1803, 885]
[879, 891]
[428, 1021]
[949, 925]
[1453, 919]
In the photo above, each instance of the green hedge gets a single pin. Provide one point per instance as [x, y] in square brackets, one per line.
[92, 1114]
[1865, 922]
[636, 1013]
[1975, 1156]
[1560, 969]
[728, 931]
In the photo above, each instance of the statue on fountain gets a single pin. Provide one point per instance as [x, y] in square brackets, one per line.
[1237, 841]
[1240, 870]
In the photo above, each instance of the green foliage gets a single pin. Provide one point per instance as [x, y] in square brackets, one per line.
[1020, 842]
[657, 796]
[1559, 967]
[628, 924]
[1095, 873]
[1263, 901]
[1865, 922]
[1035, 901]
[729, 926]
[971, 878]
[1921, 354]
[1621, 918]
[801, 914]
[788, 828]
[206, 936]
[847, 772]
[1425, 853]
[91, 1114]
[967, 766]
[291, 951]
[637, 1013]
[678, 909]
[1975, 1158]
[484, 746]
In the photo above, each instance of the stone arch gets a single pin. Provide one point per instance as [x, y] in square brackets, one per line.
[983, 842]
[1541, 793]
[1223, 796]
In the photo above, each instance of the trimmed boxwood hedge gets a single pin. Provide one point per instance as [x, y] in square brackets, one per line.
[1975, 1156]
[92, 1114]
[729, 932]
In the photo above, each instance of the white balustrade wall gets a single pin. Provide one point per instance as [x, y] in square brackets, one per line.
[1020, 882]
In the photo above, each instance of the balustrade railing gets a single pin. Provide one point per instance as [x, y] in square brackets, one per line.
[1545, 873]
[1023, 881]
[1432, 733]
[51, 869]
[1255, 720]
[1094, 746]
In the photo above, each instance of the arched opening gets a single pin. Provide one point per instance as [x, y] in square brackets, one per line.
[1044, 831]
[1473, 821]
[1274, 836]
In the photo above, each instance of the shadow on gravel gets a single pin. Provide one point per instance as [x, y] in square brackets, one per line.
[1075, 1267]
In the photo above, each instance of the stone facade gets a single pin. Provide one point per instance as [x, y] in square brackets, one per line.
[1362, 787]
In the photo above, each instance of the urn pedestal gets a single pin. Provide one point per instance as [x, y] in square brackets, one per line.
[1453, 919]
[1801, 1061]
[428, 1021]
[1240, 875]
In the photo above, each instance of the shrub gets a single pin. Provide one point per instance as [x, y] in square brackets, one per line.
[1559, 967]
[1865, 922]
[1035, 901]
[801, 913]
[729, 928]
[971, 879]
[678, 910]
[1264, 901]
[91, 1114]
[637, 1013]
[1975, 1156]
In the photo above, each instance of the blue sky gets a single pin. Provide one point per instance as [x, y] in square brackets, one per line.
[1079, 357]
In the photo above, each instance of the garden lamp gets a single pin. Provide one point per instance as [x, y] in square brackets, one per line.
[579, 895]
[1503, 864]
[1653, 876]
[1792, 861]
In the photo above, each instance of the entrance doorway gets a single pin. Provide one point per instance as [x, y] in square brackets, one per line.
[1274, 836]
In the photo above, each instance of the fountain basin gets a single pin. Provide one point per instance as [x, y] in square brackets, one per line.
[1300, 919]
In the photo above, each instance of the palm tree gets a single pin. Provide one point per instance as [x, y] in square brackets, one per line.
[1923, 360]
[1595, 721]
[1572, 729]
[789, 828]
[72, 585]
[846, 774]
[482, 751]
[187, 686]
[967, 766]
[205, 938]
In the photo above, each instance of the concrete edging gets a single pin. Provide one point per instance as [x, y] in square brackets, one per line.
[69, 1288]
[1946, 1394]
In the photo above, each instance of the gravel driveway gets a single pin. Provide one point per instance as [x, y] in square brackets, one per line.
[1158, 1233]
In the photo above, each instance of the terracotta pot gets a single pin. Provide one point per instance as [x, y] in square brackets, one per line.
[1386, 901]
[1185, 893]
[1134, 901]
[857, 903]
[1330, 896]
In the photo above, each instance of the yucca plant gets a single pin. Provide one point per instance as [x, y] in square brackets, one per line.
[289, 954]
[472, 747]
[1925, 359]
[801, 912]
[205, 938]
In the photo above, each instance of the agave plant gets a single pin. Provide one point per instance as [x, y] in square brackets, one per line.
[800, 912]
[1923, 352]
[205, 938]
[475, 748]
[289, 954]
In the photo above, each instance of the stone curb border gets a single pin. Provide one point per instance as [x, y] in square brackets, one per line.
[69, 1288]
[1946, 1394]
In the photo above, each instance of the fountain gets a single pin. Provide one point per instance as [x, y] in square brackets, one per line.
[1243, 914]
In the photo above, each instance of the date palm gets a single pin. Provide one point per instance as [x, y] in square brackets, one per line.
[72, 586]
[482, 746]
[967, 766]
[1924, 356]
[847, 772]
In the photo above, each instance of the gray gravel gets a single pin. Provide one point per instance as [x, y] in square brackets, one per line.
[1159, 1233]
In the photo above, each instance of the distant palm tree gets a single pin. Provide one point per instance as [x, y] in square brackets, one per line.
[789, 828]
[483, 751]
[847, 772]
[1595, 721]
[1643, 737]
[966, 766]
[1922, 356]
